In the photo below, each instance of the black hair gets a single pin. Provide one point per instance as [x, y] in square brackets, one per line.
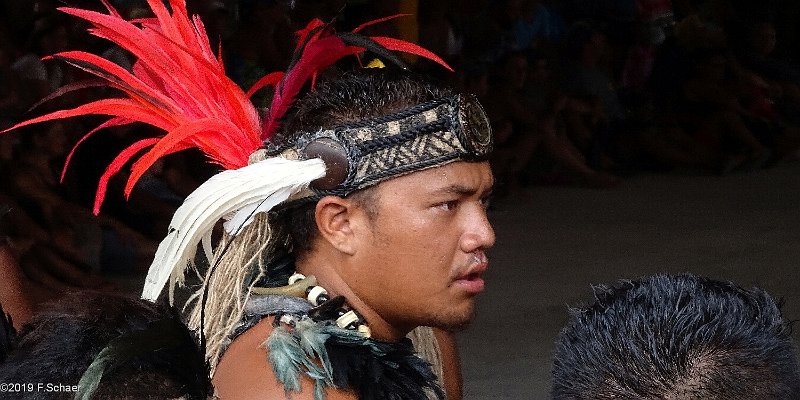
[60, 342]
[351, 97]
[677, 337]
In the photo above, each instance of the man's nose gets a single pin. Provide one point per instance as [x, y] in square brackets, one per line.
[479, 234]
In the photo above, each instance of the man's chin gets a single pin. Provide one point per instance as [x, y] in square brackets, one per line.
[453, 323]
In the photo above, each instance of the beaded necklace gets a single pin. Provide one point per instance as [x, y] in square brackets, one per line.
[324, 307]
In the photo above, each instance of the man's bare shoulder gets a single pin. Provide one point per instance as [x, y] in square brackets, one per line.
[245, 373]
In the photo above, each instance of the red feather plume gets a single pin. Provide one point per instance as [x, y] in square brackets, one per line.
[323, 48]
[178, 85]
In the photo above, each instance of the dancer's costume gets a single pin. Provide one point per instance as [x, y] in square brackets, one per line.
[179, 85]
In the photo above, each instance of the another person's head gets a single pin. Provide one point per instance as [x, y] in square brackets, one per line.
[761, 38]
[475, 80]
[586, 45]
[147, 352]
[676, 337]
[540, 69]
[513, 70]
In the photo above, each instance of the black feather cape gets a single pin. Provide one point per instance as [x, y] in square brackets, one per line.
[376, 370]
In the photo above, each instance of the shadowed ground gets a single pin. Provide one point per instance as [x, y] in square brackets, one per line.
[554, 242]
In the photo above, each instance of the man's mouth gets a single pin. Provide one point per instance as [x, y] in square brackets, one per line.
[472, 283]
[471, 280]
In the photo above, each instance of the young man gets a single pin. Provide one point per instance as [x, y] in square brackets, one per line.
[406, 250]
[677, 337]
[352, 217]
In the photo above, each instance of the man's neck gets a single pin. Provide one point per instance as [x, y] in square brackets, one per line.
[331, 280]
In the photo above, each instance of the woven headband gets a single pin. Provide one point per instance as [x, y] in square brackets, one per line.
[362, 154]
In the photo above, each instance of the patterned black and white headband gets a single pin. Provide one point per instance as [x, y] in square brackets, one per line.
[367, 152]
[335, 161]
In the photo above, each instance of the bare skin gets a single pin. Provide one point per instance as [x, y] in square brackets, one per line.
[418, 260]
[453, 383]
[12, 298]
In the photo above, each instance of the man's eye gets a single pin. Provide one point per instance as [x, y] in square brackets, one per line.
[448, 205]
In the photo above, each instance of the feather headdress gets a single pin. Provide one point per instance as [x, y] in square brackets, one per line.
[178, 85]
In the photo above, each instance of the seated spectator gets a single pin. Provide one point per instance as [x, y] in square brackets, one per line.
[572, 123]
[677, 337]
[710, 110]
[35, 264]
[514, 126]
[50, 35]
[11, 102]
[652, 25]
[262, 42]
[439, 34]
[538, 27]
[110, 347]
[708, 107]
[87, 240]
[758, 46]
[34, 267]
[489, 34]
[588, 78]
[771, 94]
[524, 121]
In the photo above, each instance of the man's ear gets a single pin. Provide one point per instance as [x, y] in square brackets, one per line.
[337, 220]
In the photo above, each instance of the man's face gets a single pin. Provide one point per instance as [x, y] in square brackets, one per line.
[421, 258]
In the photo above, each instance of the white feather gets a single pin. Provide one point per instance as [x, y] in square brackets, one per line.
[256, 188]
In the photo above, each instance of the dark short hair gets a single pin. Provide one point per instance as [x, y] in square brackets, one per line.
[676, 337]
[351, 97]
[60, 342]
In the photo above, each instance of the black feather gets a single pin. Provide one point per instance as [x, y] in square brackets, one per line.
[301, 47]
[177, 354]
[381, 370]
[354, 39]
